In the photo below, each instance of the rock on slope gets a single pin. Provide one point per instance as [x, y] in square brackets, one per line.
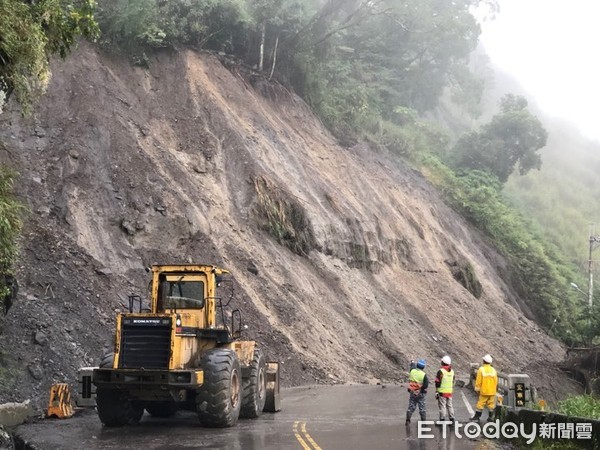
[191, 161]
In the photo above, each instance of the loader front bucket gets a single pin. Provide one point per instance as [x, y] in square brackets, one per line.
[273, 402]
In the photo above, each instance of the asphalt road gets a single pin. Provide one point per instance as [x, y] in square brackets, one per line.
[313, 417]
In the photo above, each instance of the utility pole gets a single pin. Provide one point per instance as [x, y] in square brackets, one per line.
[594, 241]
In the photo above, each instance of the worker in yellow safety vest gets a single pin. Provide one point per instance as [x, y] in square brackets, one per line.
[444, 385]
[486, 384]
[417, 388]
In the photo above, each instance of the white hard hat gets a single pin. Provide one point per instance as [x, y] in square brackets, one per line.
[446, 360]
[487, 359]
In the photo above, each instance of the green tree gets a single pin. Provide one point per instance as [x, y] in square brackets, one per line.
[360, 61]
[409, 50]
[131, 23]
[32, 31]
[214, 24]
[511, 139]
[139, 25]
[263, 11]
[274, 21]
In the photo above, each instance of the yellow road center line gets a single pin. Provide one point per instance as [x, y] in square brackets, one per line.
[310, 439]
[302, 442]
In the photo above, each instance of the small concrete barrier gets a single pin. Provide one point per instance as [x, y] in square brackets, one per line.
[13, 414]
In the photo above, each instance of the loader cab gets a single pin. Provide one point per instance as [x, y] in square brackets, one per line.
[190, 290]
[181, 292]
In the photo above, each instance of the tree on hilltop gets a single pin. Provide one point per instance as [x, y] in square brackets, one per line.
[512, 139]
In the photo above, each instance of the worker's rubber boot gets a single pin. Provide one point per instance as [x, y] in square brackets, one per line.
[407, 420]
[492, 416]
[476, 417]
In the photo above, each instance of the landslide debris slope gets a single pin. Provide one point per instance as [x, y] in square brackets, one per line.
[345, 260]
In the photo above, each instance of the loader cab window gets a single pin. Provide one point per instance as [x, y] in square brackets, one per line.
[181, 292]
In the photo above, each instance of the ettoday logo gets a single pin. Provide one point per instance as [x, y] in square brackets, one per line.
[507, 430]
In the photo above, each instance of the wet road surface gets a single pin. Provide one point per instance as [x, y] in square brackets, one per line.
[313, 417]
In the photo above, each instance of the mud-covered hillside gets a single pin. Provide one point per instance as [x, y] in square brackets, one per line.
[195, 160]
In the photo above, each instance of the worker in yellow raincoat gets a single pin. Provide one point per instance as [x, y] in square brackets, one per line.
[486, 384]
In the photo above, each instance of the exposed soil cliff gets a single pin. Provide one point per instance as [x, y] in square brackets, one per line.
[347, 263]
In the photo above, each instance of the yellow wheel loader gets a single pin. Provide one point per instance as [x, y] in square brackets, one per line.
[183, 355]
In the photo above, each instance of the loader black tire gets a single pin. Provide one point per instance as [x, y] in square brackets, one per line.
[254, 387]
[107, 361]
[218, 400]
[116, 409]
[162, 409]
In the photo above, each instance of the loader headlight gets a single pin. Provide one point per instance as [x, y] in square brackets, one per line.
[178, 321]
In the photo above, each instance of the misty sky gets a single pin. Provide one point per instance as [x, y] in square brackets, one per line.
[551, 48]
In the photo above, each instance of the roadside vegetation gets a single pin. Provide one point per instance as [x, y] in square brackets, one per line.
[10, 227]
[381, 71]
[579, 406]
[586, 406]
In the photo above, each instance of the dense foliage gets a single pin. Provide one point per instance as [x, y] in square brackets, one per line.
[10, 226]
[360, 65]
[31, 31]
[536, 269]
